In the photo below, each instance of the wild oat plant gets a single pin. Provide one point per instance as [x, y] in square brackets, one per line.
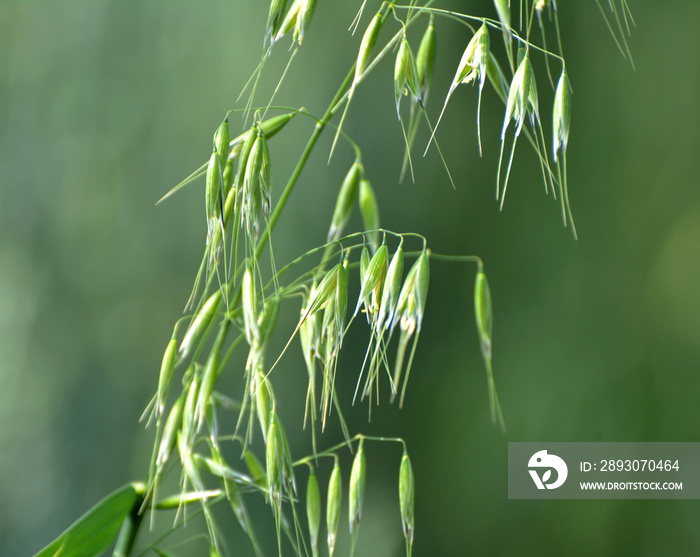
[239, 288]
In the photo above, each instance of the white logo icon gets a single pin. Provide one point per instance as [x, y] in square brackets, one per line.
[542, 460]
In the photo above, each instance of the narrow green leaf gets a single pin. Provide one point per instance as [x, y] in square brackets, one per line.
[94, 532]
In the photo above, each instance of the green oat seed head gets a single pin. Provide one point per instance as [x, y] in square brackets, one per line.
[409, 314]
[249, 303]
[406, 499]
[372, 282]
[272, 460]
[333, 504]
[222, 141]
[522, 100]
[298, 19]
[561, 117]
[356, 493]
[364, 261]
[472, 65]
[252, 185]
[210, 375]
[405, 76]
[188, 428]
[167, 368]
[390, 292]
[369, 209]
[522, 97]
[274, 21]
[483, 312]
[200, 324]
[170, 431]
[369, 41]
[425, 61]
[425, 65]
[212, 190]
[345, 200]
[313, 510]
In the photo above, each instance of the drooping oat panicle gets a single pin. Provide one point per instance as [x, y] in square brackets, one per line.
[313, 510]
[406, 499]
[345, 200]
[369, 208]
[333, 504]
[561, 117]
[200, 324]
[356, 494]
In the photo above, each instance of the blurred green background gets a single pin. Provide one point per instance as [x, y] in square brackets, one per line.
[105, 105]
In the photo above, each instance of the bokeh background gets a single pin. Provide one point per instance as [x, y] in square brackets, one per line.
[105, 105]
